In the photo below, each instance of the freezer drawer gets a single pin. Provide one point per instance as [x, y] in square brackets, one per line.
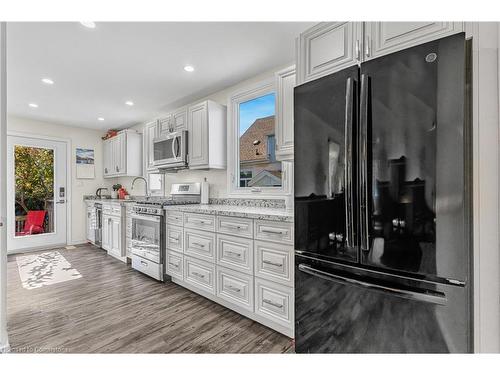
[344, 309]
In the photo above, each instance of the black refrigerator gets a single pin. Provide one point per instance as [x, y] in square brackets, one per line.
[382, 205]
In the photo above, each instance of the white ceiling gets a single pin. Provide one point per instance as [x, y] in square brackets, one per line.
[96, 70]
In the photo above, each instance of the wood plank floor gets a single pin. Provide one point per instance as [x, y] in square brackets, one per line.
[115, 309]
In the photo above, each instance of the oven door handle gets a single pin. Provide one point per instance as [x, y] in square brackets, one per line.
[153, 218]
[430, 296]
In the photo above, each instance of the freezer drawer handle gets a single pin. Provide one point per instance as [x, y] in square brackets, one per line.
[433, 297]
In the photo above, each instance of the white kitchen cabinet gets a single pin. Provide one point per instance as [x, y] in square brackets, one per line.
[174, 122]
[113, 231]
[207, 136]
[382, 38]
[285, 83]
[123, 154]
[328, 47]
[150, 132]
[91, 222]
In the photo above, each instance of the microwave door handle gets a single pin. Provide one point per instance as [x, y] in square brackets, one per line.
[173, 147]
[363, 153]
[177, 147]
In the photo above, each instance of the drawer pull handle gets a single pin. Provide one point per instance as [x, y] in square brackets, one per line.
[174, 264]
[269, 302]
[199, 275]
[198, 221]
[144, 263]
[272, 263]
[273, 231]
[230, 287]
[176, 239]
[198, 244]
[232, 226]
[234, 253]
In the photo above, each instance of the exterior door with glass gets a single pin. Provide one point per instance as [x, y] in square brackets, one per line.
[36, 193]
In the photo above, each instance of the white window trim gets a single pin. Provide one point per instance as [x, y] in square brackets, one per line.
[233, 190]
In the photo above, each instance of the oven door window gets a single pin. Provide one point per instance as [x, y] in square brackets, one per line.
[166, 149]
[146, 236]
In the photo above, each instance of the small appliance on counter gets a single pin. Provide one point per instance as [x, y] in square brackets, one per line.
[148, 228]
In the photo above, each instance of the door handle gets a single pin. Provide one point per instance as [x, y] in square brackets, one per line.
[348, 155]
[62, 201]
[429, 296]
[363, 155]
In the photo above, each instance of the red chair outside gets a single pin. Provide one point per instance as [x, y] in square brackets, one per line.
[34, 223]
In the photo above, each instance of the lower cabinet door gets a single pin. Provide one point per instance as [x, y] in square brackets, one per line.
[199, 274]
[174, 264]
[274, 302]
[235, 287]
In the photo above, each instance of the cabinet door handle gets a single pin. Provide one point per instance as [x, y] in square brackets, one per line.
[117, 169]
[357, 50]
[367, 46]
[269, 302]
[272, 263]
[105, 170]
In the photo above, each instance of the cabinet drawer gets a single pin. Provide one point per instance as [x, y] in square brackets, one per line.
[274, 262]
[174, 238]
[174, 217]
[199, 274]
[235, 253]
[199, 221]
[174, 264]
[235, 226]
[147, 267]
[199, 244]
[274, 302]
[235, 287]
[274, 231]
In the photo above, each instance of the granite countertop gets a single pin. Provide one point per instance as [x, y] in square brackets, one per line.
[261, 213]
[110, 200]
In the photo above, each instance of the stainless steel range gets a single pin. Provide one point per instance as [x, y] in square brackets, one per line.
[148, 228]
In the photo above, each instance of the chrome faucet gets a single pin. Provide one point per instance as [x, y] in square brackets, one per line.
[98, 192]
[145, 182]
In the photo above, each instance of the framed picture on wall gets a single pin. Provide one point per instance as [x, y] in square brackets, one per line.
[85, 163]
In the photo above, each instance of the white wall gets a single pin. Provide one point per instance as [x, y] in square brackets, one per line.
[216, 178]
[78, 137]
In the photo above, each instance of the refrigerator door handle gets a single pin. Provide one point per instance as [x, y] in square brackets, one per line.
[363, 157]
[430, 296]
[348, 155]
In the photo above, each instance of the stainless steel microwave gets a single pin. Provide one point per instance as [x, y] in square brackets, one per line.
[170, 150]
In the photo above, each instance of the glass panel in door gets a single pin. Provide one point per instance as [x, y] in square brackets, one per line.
[322, 207]
[146, 237]
[34, 190]
[416, 183]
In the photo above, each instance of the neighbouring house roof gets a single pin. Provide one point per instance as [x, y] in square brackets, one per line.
[258, 131]
[273, 178]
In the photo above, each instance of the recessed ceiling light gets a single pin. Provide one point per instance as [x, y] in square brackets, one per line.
[189, 68]
[129, 102]
[88, 24]
[47, 81]
[33, 105]
[100, 118]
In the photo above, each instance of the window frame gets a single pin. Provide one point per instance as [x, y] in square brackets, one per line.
[246, 93]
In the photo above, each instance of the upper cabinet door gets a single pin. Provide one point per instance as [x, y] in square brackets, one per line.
[382, 38]
[119, 153]
[327, 48]
[198, 134]
[108, 157]
[179, 119]
[285, 83]
[150, 133]
[165, 125]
